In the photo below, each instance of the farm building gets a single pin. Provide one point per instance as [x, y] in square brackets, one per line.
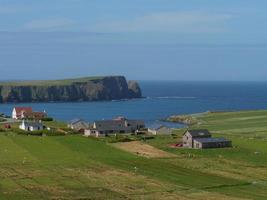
[201, 139]
[78, 125]
[203, 143]
[31, 126]
[117, 125]
[160, 130]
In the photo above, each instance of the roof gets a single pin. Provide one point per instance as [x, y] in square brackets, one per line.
[158, 127]
[211, 140]
[199, 133]
[74, 121]
[117, 124]
[23, 109]
[110, 124]
[36, 114]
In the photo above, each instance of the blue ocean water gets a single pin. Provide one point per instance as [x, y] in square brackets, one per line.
[162, 99]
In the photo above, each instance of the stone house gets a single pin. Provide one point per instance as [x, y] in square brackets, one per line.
[200, 139]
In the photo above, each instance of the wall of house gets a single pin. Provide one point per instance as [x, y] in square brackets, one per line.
[187, 140]
[199, 145]
[35, 128]
[93, 133]
[14, 114]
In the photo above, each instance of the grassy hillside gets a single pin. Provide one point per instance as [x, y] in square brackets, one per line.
[74, 167]
[50, 82]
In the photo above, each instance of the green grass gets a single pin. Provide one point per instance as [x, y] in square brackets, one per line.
[75, 167]
[51, 82]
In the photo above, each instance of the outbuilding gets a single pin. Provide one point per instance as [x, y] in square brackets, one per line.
[160, 130]
[204, 143]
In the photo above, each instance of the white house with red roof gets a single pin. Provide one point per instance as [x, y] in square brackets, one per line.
[21, 112]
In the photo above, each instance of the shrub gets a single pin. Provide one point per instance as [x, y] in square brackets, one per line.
[2, 130]
[48, 119]
[39, 133]
[120, 138]
[2, 120]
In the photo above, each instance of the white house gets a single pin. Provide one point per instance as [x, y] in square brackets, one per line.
[19, 112]
[31, 126]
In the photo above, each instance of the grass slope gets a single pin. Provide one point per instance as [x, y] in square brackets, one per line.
[51, 82]
[247, 161]
[74, 167]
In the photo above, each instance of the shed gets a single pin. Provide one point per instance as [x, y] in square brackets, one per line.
[203, 143]
[160, 130]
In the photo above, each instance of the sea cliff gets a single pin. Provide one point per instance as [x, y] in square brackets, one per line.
[82, 89]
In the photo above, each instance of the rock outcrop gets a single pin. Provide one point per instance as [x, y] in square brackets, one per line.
[84, 89]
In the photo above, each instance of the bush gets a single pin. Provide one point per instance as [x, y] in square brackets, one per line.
[48, 119]
[2, 120]
[120, 138]
[144, 138]
[2, 130]
[39, 133]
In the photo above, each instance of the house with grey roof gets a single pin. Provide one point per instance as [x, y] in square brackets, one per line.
[202, 139]
[114, 126]
[31, 126]
[78, 125]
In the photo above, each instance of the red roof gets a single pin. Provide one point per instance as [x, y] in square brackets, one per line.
[19, 110]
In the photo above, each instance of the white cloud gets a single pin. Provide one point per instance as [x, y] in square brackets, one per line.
[49, 25]
[184, 22]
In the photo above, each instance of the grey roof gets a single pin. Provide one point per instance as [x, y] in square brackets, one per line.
[211, 140]
[199, 133]
[33, 124]
[158, 127]
[117, 125]
[74, 121]
[81, 125]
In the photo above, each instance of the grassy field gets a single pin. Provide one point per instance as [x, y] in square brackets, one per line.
[75, 167]
[50, 82]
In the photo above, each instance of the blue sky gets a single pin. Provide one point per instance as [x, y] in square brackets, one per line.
[141, 39]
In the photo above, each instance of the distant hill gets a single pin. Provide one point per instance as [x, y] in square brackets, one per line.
[80, 89]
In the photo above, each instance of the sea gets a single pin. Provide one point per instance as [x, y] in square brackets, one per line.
[162, 99]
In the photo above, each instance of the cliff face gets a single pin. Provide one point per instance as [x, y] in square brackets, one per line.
[96, 89]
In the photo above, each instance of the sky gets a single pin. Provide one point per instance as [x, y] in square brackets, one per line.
[141, 39]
